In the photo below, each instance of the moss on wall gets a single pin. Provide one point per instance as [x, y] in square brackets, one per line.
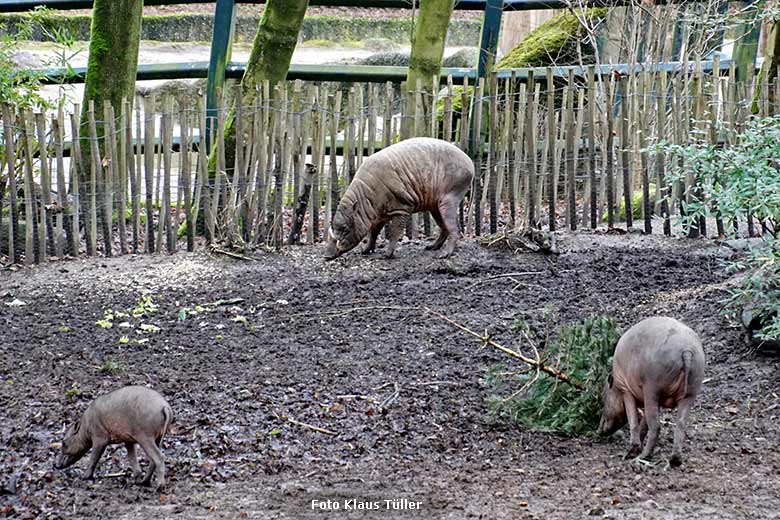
[198, 27]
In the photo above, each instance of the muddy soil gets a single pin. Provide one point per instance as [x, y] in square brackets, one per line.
[399, 398]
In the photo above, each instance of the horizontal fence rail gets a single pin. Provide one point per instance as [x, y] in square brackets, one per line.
[554, 153]
[372, 73]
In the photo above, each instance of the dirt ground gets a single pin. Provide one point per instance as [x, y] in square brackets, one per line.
[245, 347]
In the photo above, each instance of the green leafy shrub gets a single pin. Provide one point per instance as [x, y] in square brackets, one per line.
[759, 292]
[584, 352]
[737, 181]
[20, 86]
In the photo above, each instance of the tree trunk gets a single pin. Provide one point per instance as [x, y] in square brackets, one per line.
[274, 44]
[113, 59]
[270, 58]
[111, 69]
[430, 33]
[769, 69]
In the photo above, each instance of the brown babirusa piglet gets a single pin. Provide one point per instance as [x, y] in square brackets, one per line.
[659, 362]
[130, 415]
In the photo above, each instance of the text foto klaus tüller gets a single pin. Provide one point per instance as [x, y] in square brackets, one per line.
[357, 504]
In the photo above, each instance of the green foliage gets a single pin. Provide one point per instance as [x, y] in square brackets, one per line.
[736, 181]
[637, 199]
[457, 101]
[111, 367]
[145, 307]
[759, 290]
[584, 352]
[73, 391]
[21, 86]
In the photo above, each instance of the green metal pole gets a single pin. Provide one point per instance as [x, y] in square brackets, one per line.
[488, 45]
[221, 45]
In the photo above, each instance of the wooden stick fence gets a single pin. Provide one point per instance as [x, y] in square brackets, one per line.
[550, 152]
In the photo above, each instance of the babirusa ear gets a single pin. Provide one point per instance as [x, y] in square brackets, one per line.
[76, 426]
[610, 380]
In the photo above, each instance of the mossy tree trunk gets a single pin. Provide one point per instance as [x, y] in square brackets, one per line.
[430, 33]
[111, 69]
[274, 44]
[269, 59]
[113, 60]
[769, 69]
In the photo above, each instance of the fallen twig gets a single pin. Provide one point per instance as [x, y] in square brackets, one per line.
[357, 397]
[506, 275]
[525, 359]
[310, 426]
[231, 254]
[333, 314]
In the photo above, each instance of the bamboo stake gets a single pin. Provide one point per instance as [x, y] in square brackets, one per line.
[592, 94]
[167, 143]
[511, 164]
[660, 160]
[149, 131]
[625, 145]
[185, 173]
[136, 175]
[75, 168]
[530, 135]
[492, 188]
[464, 140]
[100, 189]
[570, 165]
[32, 250]
[610, 170]
[63, 223]
[203, 191]
[46, 237]
[239, 182]
[124, 160]
[10, 154]
[334, 172]
[476, 198]
[551, 150]
[109, 145]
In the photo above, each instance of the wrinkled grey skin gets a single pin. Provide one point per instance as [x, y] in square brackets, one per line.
[420, 174]
[130, 415]
[659, 362]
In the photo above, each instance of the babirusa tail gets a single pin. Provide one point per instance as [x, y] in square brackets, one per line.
[687, 358]
[168, 419]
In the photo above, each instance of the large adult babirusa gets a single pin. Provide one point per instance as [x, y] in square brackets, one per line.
[420, 174]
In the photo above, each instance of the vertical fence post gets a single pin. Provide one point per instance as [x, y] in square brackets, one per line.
[221, 45]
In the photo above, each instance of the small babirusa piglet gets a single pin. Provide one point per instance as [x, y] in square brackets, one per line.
[659, 362]
[130, 415]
